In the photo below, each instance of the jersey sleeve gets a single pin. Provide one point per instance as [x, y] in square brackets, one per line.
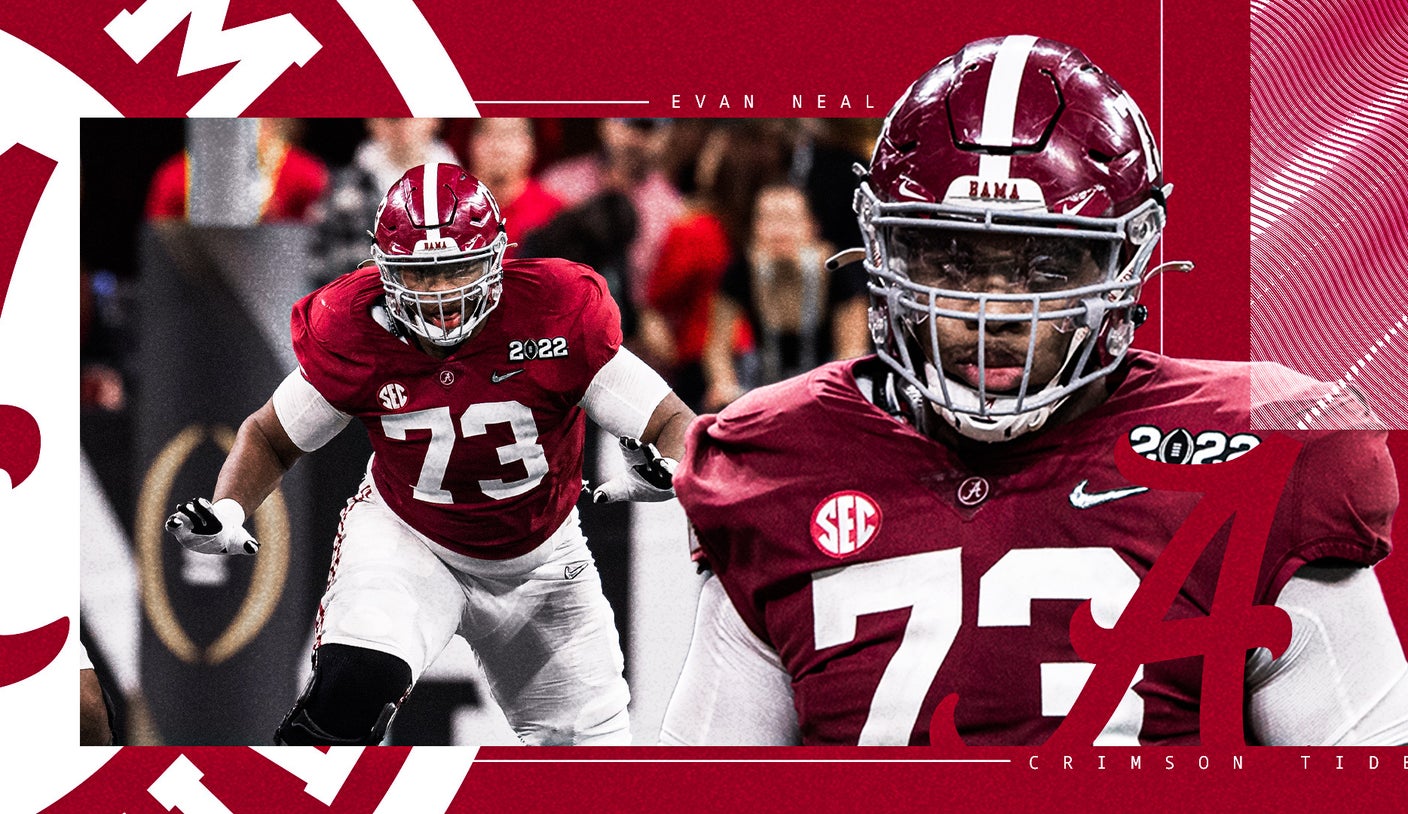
[597, 330]
[331, 368]
[733, 468]
[1337, 506]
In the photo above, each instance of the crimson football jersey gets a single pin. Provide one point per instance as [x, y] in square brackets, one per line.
[889, 571]
[480, 451]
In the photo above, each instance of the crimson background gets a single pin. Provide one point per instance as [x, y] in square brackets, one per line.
[614, 50]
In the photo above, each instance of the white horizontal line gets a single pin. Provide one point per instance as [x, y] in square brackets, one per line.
[562, 102]
[743, 760]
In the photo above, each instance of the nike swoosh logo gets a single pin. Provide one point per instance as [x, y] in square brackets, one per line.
[909, 189]
[496, 377]
[1082, 499]
[1076, 203]
[571, 571]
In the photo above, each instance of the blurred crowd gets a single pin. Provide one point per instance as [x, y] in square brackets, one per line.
[712, 234]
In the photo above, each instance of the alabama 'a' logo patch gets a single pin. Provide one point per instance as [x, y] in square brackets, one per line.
[844, 523]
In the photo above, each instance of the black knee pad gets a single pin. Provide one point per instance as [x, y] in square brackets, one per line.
[349, 701]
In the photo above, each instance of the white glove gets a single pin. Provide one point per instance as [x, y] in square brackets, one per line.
[211, 529]
[649, 476]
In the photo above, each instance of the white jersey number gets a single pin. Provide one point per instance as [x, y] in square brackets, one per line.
[930, 585]
[475, 421]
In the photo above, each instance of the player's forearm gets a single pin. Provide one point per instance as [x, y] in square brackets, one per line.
[667, 425]
[260, 456]
[620, 398]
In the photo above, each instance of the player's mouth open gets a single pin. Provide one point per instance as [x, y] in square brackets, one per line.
[445, 321]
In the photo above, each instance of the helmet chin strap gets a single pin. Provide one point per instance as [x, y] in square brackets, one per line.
[1003, 427]
[996, 428]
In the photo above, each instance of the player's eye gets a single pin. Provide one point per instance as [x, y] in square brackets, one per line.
[1054, 263]
[932, 260]
[939, 270]
[443, 275]
[1046, 274]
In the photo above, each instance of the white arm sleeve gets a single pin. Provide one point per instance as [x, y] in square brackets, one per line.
[1343, 680]
[733, 690]
[308, 418]
[623, 394]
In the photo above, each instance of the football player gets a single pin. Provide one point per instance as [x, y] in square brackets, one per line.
[473, 377]
[887, 532]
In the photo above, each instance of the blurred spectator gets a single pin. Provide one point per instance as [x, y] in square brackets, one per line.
[596, 232]
[680, 155]
[293, 179]
[627, 162]
[800, 314]
[392, 146]
[819, 153]
[735, 161]
[824, 151]
[501, 154]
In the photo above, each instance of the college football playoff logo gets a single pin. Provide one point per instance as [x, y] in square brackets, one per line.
[526, 350]
[1179, 446]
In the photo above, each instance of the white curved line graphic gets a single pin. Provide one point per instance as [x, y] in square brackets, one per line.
[413, 56]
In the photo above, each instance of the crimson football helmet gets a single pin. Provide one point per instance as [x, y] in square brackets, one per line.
[1022, 141]
[440, 244]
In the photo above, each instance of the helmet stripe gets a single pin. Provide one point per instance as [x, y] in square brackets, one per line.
[430, 199]
[1000, 106]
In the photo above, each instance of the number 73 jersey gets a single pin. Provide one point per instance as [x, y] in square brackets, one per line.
[889, 571]
[480, 451]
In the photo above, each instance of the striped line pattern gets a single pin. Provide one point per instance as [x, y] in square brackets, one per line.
[1329, 200]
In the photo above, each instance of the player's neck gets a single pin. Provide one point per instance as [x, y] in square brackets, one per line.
[434, 350]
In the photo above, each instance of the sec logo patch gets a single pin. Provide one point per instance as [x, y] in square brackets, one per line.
[844, 523]
[392, 396]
